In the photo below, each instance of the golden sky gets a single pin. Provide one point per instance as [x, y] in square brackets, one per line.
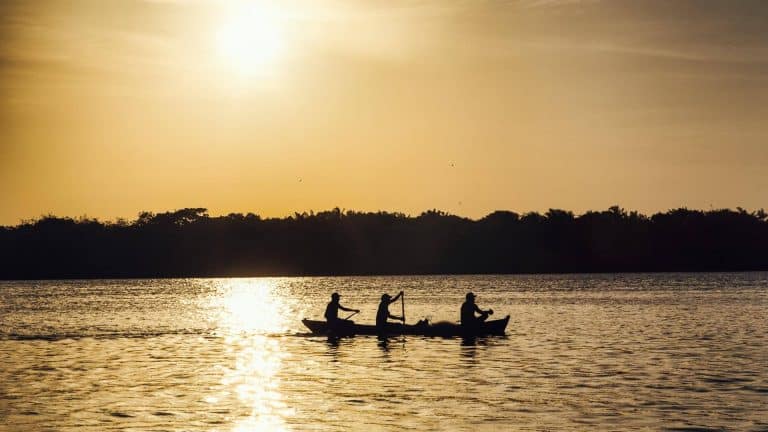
[110, 107]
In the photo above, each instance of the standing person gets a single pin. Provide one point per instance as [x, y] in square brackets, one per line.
[383, 313]
[332, 312]
[468, 310]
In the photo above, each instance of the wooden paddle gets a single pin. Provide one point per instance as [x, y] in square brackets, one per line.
[351, 315]
[402, 300]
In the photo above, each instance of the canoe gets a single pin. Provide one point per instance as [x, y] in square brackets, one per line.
[444, 329]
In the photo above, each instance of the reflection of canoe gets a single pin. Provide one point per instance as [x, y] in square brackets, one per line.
[348, 328]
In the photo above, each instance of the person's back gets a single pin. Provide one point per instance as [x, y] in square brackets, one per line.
[332, 311]
[382, 314]
[467, 313]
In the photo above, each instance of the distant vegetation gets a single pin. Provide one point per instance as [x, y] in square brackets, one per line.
[188, 242]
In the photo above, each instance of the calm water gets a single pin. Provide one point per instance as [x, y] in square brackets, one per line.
[583, 352]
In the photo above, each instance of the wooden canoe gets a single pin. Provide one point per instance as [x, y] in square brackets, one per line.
[444, 329]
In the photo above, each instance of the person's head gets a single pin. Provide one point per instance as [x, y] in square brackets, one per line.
[385, 297]
[335, 297]
[470, 297]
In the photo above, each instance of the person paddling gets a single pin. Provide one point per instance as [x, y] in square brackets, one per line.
[468, 310]
[332, 312]
[382, 315]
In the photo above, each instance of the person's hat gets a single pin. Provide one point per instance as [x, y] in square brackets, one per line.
[385, 297]
[470, 295]
[335, 295]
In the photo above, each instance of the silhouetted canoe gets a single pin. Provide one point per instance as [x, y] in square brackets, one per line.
[445, 329]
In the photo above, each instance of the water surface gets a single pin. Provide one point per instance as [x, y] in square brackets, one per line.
[583, 352]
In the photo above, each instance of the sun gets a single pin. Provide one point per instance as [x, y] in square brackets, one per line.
[250, 40]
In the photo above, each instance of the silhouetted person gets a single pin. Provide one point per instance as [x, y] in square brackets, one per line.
[383, 313]
[468, 310]
[332, 312]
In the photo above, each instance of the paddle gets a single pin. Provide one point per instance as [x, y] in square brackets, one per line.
[351, 315]
[402, 302]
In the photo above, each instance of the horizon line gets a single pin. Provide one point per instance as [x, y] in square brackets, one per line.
[344, 211]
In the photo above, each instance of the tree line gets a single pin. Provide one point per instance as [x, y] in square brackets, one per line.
[189, 242]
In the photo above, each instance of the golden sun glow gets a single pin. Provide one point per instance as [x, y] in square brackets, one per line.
[251, 306]
[250, 313]
[251, 39]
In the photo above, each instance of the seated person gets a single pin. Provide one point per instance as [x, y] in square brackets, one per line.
[468, 310]
[332, 312]
[383, 313]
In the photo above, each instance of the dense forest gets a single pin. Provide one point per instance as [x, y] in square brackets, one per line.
[189, 242]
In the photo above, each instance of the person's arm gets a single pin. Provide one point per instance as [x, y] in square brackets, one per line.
[348, 309]
[395, 317]
[483, 312]
[394, 299]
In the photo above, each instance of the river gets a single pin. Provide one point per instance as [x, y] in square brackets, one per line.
[684, 352]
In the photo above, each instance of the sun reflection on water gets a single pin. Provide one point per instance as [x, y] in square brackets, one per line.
[252, 314]
[252, 306]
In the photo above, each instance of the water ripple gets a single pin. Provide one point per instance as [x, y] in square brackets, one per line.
[677, 352]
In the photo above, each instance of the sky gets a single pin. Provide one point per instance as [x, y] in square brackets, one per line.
[112, 107]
